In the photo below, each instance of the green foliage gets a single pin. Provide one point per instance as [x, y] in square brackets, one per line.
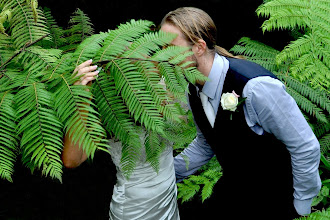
[309, 54]
[40, 130]
[80, 29]
[322, 196]
[319, 215]
[208, 176]
[8, 136]
[40, 102]
[56, 32]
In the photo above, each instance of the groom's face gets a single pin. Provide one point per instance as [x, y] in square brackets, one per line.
[180, 40]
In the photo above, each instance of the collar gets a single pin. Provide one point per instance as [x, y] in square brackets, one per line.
[218, 67]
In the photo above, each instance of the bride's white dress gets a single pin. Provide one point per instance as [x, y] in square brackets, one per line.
[146, 195]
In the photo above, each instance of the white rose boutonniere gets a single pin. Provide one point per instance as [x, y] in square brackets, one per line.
[230, 101]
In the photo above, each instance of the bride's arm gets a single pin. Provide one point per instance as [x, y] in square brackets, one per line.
[73, 155]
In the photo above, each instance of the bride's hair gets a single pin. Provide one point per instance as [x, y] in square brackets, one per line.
[196, 24]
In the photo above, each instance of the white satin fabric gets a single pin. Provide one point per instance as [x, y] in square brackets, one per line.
[146, 195]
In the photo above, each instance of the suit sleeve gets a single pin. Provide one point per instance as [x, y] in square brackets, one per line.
[198, 153]
[270, 108]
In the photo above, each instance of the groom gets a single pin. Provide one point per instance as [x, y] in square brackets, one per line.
[267, 150]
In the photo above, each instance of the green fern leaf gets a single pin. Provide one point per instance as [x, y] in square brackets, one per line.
[168, 72]
[325, 143]
[187, 190]
[37, 59]
[6, 48]
[76, 112]
[307, 106]
[131, 86]
[24, 29]
[314, 95]
[284, 14]
[56, 33]
[157, 90]
[154, 147]
[41, 130]
[148, 44]
[8, 136]
[118, 40]
[259, 53]
[88, 48]
[80, 29]
[115, 117]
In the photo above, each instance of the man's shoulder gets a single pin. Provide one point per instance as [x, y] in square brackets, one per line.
[247, 69]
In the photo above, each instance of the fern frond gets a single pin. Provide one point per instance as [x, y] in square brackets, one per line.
[313, 95]
[118, 40]
[36, 59]
[187, 190]
[41, 130]
[325, 143]
[131, 86]
[285, 14]
[180, 133]
[148, 44]
[320, 77]
[11, 78]
[56, 33]
[209, 175]
[318, 215]
[154, 147]
[81, 27]
[156, 87]
[193, 75]
[88, 48]
[258, 52]
[311, 48]
[169, 53]
[8, 136]
[296, 48]
[116, 120]
[24, 29]
[6, 48]
[308, 106]
[167, 71]
[5, 15]
[62, 65]
[76, 112]
[115, 117]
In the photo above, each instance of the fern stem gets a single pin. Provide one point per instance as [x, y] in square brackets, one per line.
[101, 62]
[21, 50]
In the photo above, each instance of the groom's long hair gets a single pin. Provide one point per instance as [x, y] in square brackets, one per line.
[196, 24]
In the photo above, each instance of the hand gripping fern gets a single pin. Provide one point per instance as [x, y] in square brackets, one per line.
[39, 103]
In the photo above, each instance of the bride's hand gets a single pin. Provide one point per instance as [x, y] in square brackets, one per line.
[86, 72]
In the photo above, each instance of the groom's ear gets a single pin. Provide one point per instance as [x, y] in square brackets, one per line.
[199, 48]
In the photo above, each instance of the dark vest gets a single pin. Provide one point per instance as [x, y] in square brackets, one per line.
[256, 168]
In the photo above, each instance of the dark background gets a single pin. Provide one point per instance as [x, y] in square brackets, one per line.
[86, 191]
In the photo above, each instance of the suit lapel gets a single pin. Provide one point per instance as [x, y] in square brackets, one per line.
[198, 112]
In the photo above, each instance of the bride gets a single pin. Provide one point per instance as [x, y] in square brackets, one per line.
[146, 195]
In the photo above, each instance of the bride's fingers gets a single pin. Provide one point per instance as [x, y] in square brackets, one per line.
[86, 80]
[83, 65]
[85, 70]
[88, 77]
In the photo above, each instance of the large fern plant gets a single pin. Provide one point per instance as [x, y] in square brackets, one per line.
[39, 102]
